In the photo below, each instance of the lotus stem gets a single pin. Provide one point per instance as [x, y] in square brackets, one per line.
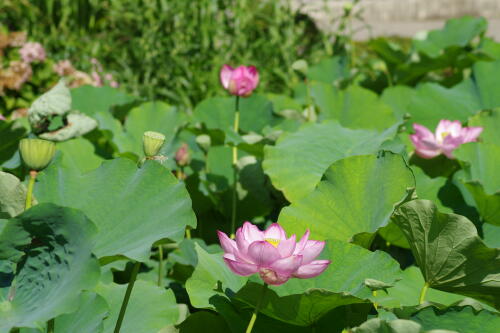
[235, 166]
[126, 298]
[421, 299]
[160, 265]
[257, 308]
[51, 326]
[31, 185]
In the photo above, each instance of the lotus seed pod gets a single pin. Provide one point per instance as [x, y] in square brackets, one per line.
[37, 153]
[152, 142]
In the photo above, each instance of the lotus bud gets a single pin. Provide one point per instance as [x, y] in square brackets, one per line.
[204, 141]
[37, 153]
[300, 66]
[182, 156]
[152, 142]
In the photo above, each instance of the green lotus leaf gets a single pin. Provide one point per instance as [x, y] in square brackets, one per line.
[449, 252]
[89, 317]
[218, 113]
[490, 122]
[132, 207]
[150, 307]
[91, 100]
[353, 107]
[482, 161]
[52, 248]
[377, 325]
[80, 153]
[344, 203]
[299, 160]
[456, 32]
[211, 277]
[460, 319]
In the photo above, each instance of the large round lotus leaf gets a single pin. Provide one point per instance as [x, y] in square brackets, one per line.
[80, 153]
[459, 319]
[354, 107]
[150, 307]
[90, 100]
[132, 207]
[87, 319]
[305, 301]
[52, 248]
[358, 194]
[151, 116]
[483, 161]
[449, 252]
[490, 122]
[299, 160]
[456, 32]
[218, 113]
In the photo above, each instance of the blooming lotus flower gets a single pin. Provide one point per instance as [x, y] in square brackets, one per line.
[239, 81]
[32, 52]
[272, 255]
[448, 137]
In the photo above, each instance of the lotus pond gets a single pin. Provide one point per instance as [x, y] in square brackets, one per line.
[368, 200]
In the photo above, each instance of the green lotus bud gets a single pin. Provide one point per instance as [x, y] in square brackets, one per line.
[37, 153]
[152, 142]
[204, 141]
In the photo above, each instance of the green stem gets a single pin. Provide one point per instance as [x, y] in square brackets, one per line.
[421, 299]
[160, 265]
[257, 308]
[375, 304]
[126, 298]
[51, 326]
[188, 232]
[235, 166]
[29, 193]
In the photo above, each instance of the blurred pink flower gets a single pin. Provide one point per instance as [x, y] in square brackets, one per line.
[64, 68]
[182, 156]
[114, 84]
[448, 137]
[240, 81]
[272, 255]
[32, 51]
[2, 117]
[96, 78]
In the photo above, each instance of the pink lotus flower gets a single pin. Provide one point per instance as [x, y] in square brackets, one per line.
[240, 81]
[32, 52]
[272, 255]
[449, 136]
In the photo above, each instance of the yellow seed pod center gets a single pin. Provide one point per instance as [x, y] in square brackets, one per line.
[274, 242]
